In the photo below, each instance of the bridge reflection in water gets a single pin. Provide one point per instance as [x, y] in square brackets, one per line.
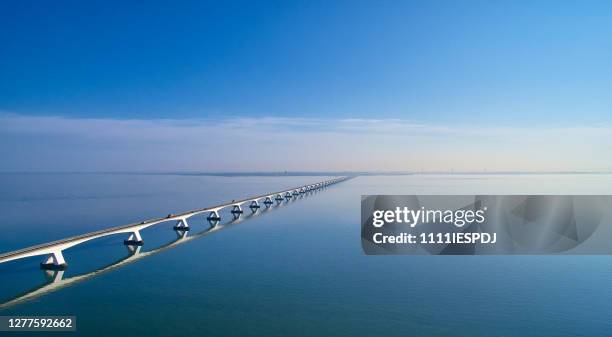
[55, 276]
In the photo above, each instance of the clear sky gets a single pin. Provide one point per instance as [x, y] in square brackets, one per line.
[438, 76]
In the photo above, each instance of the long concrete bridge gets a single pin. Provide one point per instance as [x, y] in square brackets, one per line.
[55, 278]
[54, 258]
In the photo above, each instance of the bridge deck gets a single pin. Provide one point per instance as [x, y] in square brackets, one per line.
[135, 226]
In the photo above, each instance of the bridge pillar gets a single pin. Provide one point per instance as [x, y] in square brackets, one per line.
[134, 240]
[181, 225]
[279, 197]
[237, 209]
[268, 201]
[54, 261]
[288, 195]
[254, 206]
[213, 216]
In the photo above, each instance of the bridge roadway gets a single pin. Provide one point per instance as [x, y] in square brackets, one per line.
[56, 280]
[54, 259]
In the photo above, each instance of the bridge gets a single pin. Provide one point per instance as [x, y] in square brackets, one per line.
[54, 258]
[55, 278]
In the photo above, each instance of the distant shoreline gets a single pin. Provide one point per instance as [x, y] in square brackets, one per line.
[314, 173]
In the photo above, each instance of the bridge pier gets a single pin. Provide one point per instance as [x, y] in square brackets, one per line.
[134, 240]
[254, 206]
[181, 225]
[268, 201]
[237, 210]
[213, 216]
[288, 195]
[278, 197]
[54, 261]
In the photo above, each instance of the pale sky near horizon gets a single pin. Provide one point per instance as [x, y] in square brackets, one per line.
[296, 85]
[293, 144]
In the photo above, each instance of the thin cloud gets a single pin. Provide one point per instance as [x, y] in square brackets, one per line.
[13, 123]
[281, 143]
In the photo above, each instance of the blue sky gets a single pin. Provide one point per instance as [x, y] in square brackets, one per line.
[517, 65]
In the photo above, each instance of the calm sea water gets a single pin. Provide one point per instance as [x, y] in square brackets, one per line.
[295, 270]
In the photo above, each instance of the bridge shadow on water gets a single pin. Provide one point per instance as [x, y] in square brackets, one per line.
[26, 272]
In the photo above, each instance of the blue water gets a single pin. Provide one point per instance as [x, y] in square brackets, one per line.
[295, 270]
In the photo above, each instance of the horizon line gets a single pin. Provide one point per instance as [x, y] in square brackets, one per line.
[311, 173]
